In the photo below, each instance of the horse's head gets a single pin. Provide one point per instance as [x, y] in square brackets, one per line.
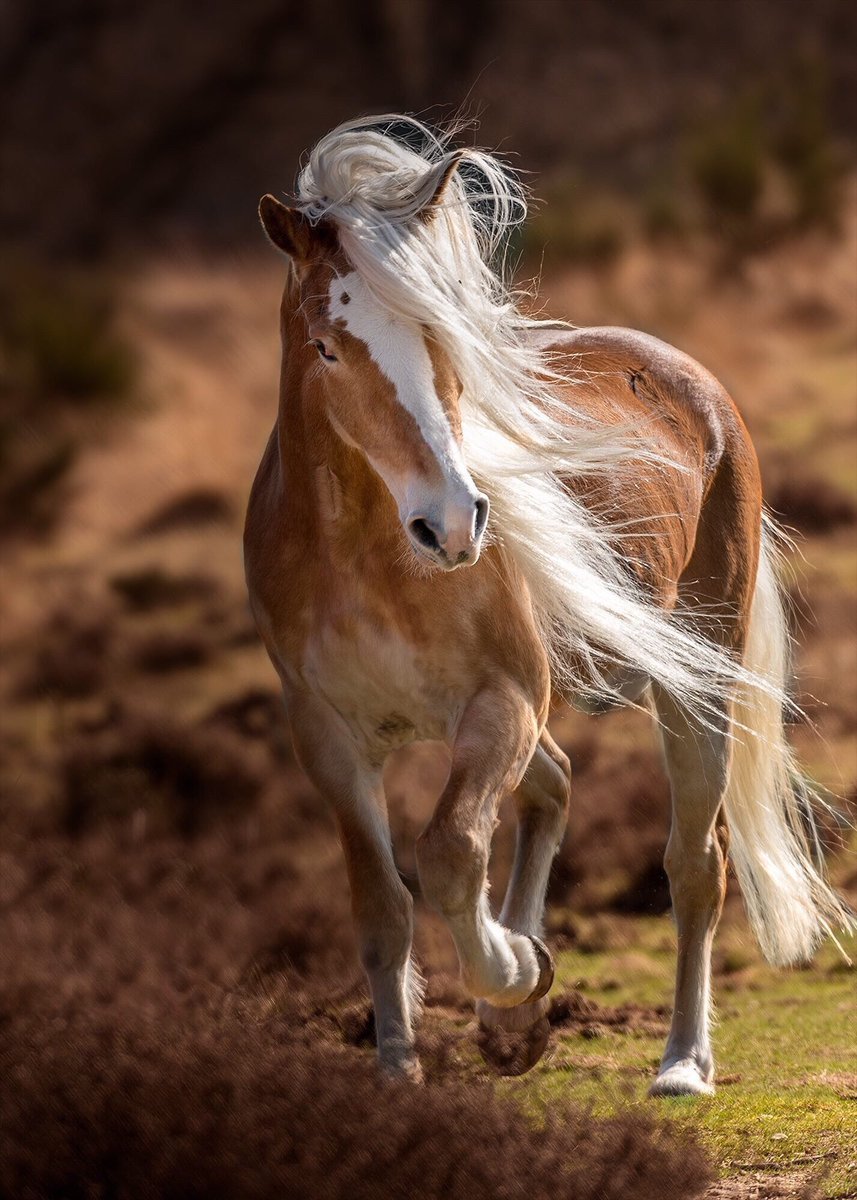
[390, 391]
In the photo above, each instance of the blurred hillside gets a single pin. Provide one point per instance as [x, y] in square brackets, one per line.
[125, 122]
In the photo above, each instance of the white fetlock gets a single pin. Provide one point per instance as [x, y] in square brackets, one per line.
[534, 974]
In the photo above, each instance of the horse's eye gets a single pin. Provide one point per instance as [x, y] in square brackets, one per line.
[323, 350]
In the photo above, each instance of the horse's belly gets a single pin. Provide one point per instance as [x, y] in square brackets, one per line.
[382, 687]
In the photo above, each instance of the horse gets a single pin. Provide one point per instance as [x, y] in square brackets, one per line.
[466, 514]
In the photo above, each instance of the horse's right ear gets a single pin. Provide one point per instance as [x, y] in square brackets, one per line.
[287, 228]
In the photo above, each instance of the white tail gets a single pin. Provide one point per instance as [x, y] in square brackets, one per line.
[768, 805]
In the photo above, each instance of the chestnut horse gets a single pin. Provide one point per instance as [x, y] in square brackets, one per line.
[465, 513]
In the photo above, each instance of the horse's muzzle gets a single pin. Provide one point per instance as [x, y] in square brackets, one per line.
[453, 538]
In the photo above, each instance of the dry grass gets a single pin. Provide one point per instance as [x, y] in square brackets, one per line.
[182, 1015]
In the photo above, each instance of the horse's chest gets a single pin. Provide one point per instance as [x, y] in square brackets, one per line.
[387, 691]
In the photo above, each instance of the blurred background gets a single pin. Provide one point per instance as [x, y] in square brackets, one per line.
[167, 873]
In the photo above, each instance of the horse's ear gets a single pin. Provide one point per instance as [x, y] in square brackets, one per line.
[287, 227]
[445, 174]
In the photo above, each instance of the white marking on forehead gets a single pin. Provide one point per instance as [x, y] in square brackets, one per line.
[398, 349]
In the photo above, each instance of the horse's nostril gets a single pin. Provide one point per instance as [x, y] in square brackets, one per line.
[424, 533]
[481, 521]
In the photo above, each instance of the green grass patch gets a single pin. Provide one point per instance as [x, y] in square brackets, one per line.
[784, 1044]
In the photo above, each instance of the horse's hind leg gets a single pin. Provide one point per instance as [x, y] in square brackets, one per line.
[698, 766]
[542, 806]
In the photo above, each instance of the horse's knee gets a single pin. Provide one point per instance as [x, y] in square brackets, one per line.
[452, 864]
[384, 950]
[384, 924]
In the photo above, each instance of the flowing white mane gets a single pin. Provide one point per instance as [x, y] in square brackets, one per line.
[522, 435]
[373, 178]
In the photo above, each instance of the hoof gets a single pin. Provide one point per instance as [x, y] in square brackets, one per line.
[682, 1079]
[405, 1070]
[546, 971]
[513, 1052]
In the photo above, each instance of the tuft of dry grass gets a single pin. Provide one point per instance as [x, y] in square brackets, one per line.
[139, 1058]
[242, 1112]
[191, 510]
[71, 653]
[181, 778]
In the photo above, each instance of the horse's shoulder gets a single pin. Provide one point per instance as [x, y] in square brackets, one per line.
[264, 497]
[268, 537]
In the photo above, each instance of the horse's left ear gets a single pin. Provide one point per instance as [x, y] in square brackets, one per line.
[287, 227]
[446, 171]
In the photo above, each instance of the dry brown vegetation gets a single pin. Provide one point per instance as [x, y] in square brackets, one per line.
[182, 1014]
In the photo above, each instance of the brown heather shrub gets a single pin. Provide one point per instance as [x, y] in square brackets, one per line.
[191, 510]
[811, 505]
[58, 337]
[33, 472]
[97, 1106]
[152, 588]
[303, 933]
[648, 891]
[139, 1061]
[62, 367]
[183, 778]
[256, 713]
[617, 830]
[727, 161]
[575, 225]
[166, 650]
[71, 654]
[805, 142]
[572, 1010]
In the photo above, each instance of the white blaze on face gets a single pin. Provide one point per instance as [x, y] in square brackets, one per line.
[399, 351]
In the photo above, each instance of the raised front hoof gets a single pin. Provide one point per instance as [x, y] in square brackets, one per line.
[546, 971]
[682, 1079]
[513, 1051]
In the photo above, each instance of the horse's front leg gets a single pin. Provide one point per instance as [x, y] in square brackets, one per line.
[492, 749]
[381, 904]
[542, 806]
